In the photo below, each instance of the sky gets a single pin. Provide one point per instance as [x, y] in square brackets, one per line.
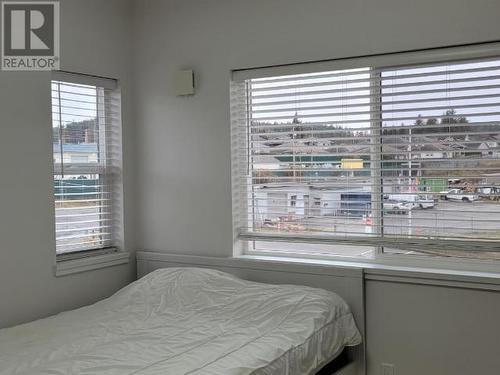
[77, 103]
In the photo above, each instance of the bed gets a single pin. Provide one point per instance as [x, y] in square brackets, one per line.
[187, 320]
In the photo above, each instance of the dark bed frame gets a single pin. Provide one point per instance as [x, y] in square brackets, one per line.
[335, 365]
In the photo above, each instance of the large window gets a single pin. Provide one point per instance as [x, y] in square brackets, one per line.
[357, 162]
[87, 163]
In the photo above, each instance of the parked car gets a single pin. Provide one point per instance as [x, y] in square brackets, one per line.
[425, 201]
[396, 207]
[460, 195]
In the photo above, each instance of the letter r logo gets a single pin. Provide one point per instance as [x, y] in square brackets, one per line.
[28, 28]
[18, 29]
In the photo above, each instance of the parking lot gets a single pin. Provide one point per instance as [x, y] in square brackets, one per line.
[447, 218]
[479, 218]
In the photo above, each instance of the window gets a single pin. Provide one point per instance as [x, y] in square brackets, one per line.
[87, 163]
[395, 154]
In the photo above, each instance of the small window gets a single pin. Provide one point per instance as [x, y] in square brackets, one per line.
[87, 163]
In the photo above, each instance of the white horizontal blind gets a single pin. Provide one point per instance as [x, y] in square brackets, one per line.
[87, 163]
[405, 158]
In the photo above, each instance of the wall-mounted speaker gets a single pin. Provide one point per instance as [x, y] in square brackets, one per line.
[184, 82]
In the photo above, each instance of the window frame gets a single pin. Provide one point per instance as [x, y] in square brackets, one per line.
[87, 259]
[387, 61]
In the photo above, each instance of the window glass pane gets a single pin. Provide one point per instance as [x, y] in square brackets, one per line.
[441, 129]
[75, 123]
[310, 156]
[83, 219]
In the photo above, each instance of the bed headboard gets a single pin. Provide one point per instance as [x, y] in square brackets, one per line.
[345, 281]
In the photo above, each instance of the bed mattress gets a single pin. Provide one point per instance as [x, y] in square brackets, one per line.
[186, 321]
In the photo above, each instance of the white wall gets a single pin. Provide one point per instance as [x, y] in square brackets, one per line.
[184, 146]
[95, 37]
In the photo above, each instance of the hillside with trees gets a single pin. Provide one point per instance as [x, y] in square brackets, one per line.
[77, 132]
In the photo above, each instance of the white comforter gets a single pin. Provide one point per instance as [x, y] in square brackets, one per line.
[186, 321]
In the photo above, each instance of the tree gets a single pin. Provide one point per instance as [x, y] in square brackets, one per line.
[451, 117]
[80, 132]
[419, 121]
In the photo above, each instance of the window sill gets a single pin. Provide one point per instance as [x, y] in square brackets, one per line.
[71, 266]
[408, 274]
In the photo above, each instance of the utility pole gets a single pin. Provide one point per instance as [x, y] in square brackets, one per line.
[410, 180]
